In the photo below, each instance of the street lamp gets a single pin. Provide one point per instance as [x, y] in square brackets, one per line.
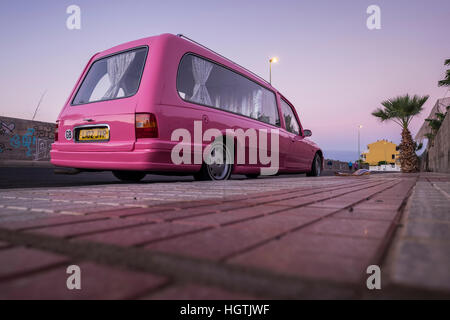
[359, 140]
[272, 60]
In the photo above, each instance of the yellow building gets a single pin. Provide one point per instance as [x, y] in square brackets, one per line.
[379, 151]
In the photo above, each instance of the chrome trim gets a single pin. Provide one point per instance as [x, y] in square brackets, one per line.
[91, 126]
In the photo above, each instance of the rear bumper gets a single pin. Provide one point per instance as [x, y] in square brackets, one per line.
[151, 160]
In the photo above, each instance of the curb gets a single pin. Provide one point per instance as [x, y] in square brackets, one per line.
[25, 164]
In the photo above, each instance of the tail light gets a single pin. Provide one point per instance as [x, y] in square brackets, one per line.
[146, 126]
[56, 131]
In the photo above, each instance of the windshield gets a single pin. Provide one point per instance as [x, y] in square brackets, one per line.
[112, 77]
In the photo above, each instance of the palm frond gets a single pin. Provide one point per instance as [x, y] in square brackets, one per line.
[381, 114]
[401, 109]
[446, 81]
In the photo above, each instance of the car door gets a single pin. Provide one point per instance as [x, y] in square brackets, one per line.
[296, 159]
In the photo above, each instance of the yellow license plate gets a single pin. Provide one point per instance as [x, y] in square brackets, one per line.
[94, 134]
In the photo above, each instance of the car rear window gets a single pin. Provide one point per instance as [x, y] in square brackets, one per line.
[113, 77]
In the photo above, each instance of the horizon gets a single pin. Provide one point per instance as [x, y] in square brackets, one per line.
[335, 74]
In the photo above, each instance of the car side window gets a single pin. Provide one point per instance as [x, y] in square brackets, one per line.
[203, 82]
[289, 118]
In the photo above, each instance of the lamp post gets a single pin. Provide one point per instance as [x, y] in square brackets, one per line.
[359, 145]
[271, 60]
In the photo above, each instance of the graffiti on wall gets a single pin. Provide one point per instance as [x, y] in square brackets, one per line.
[43, 148]
[6, 128]
[4, 147]
[25, 140]
[44, 132]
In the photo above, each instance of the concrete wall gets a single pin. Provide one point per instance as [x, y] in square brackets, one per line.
[386, 167]
[439, 153]
[25, 139]
[339, 165]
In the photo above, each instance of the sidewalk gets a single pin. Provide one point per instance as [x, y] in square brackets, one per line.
[266, 238]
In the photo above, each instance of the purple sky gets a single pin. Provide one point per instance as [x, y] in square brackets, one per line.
[331, 66]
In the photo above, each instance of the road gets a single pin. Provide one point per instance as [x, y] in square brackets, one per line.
[175, 238]
[23, 177]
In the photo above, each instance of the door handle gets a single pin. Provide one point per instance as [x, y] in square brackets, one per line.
[205, 119]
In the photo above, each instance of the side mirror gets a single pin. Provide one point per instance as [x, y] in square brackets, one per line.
[307, 133]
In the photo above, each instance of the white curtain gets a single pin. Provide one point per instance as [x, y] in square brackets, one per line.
[116, 68]
[257, 103]
[201, 70]
[245, 105]
[269, 108]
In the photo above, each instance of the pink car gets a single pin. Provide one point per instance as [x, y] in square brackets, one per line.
[168, 105]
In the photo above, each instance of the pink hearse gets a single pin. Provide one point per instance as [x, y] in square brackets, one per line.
[134, 104]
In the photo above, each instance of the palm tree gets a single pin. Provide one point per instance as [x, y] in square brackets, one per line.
[402, 110]
[446, 81]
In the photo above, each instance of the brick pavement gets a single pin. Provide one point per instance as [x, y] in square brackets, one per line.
[283, 237]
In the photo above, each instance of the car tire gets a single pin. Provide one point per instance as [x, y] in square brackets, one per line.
[216, 171]
[316, 167]
[129, 176]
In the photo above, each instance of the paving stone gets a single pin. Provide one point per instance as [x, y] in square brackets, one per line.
[18, 261]
[232, 216]
[350, 227]
[176, 214]
[342, 200]
[445, 186]
[138, 235]
[10, 212]
[426, 208]
[345, 246]
[308, 265]
[313, 211]
[88, 227]
[47, 221]
[24, 216]
[126, 212]
[422, 265]
[420, 257]
[331, 199]
[97, 282]
[391, 205]
[367, 214]
[336, 258]
[432, 230]
[219, 243]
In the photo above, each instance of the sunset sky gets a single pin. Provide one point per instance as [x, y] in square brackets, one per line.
[331, 67]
